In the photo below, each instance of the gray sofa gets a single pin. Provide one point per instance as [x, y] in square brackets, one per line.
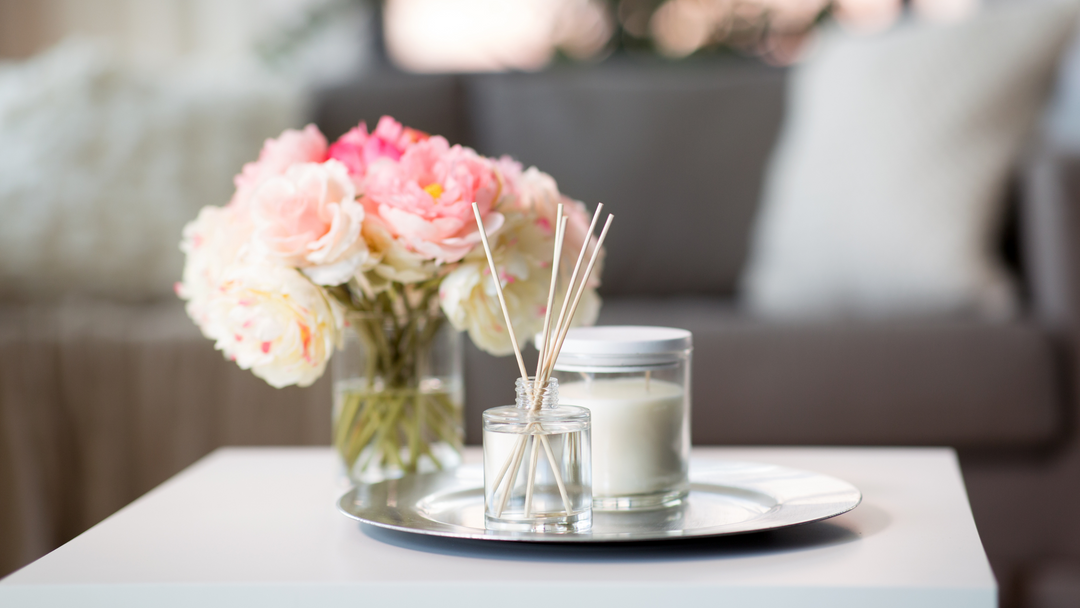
[678, 156]
[101, 401]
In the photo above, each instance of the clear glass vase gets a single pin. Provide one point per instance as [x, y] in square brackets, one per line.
[398, 395]
[537, 465]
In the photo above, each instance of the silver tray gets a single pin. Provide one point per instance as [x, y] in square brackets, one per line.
[725, 498]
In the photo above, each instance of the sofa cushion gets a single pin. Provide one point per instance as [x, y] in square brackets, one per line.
[676, 153]
[955, 382]
[885, 196]
[101, 166]
[960, 383]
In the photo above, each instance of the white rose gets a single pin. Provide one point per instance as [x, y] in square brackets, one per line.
[272, 320]
[538, 193]
[523, 256]
[211, 243]
[390, 261]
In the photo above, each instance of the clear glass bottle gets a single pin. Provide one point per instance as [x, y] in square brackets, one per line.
[636, 383]
[537, 465]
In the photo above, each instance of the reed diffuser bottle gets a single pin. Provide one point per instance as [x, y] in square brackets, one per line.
[537, 462]
[537, 466]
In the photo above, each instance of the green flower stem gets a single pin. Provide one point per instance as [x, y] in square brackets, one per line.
[444, 426]
[414, 434]
[379, 429]
[360, 434]
[350, 408]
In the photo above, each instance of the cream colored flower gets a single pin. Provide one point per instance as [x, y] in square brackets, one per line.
[523, 256]
[211, 244]
[537, 192]
[274, 321]
[390, 261]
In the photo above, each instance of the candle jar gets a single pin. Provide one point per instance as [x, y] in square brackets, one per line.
[635, 381]
[537, 471]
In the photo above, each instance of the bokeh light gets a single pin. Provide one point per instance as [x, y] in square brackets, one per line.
[493, 35]
[497, 35]
[866, 16]
[944, 11]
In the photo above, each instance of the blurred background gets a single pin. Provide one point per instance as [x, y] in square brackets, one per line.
[867, 212]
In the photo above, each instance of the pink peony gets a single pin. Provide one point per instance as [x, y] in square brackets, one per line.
[426, 198]
[309, 218]
[291, 147]
[357, 150]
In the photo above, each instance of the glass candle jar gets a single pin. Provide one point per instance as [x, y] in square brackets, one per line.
[537, 470]
[635, 381]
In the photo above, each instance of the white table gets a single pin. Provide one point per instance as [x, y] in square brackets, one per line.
[258, 527]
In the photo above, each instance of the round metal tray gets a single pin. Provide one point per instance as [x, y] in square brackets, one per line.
[725, 498]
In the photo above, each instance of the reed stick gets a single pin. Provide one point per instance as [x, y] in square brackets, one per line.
[499, 293]
[573, 278]
[558, 479]
[552, 348]
[506, 465]
[532, 477]
[513, 477]
[561, 330]
[565, 327]
[520, 448]
[560, 234]
[543, 373]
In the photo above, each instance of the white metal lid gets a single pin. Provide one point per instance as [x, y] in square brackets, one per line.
[621, 345]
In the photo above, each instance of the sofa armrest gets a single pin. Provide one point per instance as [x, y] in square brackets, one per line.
[1050, 228]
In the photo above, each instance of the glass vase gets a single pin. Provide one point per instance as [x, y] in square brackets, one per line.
[398, 395]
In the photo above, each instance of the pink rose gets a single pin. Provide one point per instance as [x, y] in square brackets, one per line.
[426, 198]
[309, 218]
[277, 155]
[357, 150]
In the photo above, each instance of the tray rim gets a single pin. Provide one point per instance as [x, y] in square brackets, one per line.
[706, 473]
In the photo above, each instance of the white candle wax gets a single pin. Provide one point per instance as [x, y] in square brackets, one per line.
[637, 433]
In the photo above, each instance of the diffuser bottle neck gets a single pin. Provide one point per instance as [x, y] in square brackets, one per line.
[527, 393]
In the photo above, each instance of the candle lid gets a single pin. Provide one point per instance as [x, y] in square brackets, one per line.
[621, 345]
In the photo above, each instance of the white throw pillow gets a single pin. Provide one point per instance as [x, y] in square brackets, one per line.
[101, 167]
[885, 194]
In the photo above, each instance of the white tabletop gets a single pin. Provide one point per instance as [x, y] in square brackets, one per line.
[258, 527]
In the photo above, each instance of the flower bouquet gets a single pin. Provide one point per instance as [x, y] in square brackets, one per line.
[372, 241]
